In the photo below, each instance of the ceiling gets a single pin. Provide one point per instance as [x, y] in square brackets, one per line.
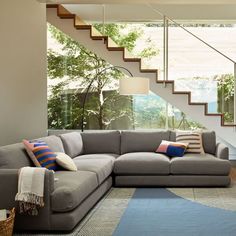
[179, 2]
[150, 12]
[147, 11]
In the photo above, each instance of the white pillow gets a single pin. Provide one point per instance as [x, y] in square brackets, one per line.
[194, 140]
[65, 161]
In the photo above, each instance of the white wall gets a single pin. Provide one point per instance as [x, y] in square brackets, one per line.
[23, 82]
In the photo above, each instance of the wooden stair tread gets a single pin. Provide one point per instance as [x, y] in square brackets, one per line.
[182, 92]
[228, 125]
[165, 81]
[66, 16]
[87, 27]
[52, 6]
[132, 59]
[97, 37]
[115, 48]
[149, 70]
[198, 103]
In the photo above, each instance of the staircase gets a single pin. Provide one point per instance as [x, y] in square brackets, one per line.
[104, 47]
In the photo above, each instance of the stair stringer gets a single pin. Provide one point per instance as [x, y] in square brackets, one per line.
[196, 112]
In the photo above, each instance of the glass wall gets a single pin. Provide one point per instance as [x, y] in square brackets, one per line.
[202, 70]
[72, 68]
[192, 64]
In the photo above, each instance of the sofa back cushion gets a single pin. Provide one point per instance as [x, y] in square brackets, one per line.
[101, 142]
[73, 143]
[53, 142]
[14, 156]
[142, 141]
[208, 141]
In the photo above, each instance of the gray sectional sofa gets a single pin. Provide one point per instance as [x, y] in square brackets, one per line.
[103, 159]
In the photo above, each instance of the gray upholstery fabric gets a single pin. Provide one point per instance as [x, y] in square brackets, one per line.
[143, 163]
[68, 220]
[222, 151]
[172, 181]
[198, 164]
[74, 193]
[172, 136]
[141, 141]
[54, 143]
[108, 156]
[101, 142]
[73, 143]
[8, 186]
[71, 189]
[100, 164]
[209, 142]
[14, 156]
[58, 132]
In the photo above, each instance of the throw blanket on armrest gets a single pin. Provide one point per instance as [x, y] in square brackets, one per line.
[30, 190]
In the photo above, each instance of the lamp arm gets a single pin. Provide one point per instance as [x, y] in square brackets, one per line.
[83, 104]
[89, 86]
[114, 67]
[119, 67]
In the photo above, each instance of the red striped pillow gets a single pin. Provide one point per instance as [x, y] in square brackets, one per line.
[41, 154]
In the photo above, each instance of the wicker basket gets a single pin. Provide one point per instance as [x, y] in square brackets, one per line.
[6, 226]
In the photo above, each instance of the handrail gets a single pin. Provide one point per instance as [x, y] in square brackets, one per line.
[195, 36]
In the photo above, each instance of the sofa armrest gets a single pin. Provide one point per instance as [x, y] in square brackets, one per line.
[222, 151]
[8, 190]
[9, 187]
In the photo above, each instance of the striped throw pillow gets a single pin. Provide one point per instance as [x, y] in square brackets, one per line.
[194, 140]
[41, 154]
[172, 149]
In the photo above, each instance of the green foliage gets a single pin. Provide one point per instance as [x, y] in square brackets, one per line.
[148, 52]
[128, 38]
[74, 63]
[226, 85]
[55, 107]
[149, 112]
[226, 96]
[228, 117]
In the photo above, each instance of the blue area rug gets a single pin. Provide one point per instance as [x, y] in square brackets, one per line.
[159, 212]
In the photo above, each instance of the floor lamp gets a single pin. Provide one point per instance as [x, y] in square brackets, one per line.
[127, 86]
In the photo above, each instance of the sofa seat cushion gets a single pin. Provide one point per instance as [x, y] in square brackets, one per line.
[199, 164]
[108, 156]
[71, 188]
[142, 163]
[101, 164]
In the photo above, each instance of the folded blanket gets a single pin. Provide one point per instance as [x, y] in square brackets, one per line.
[30, 190]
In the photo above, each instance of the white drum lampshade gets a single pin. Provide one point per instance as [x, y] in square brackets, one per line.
[134, 86]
